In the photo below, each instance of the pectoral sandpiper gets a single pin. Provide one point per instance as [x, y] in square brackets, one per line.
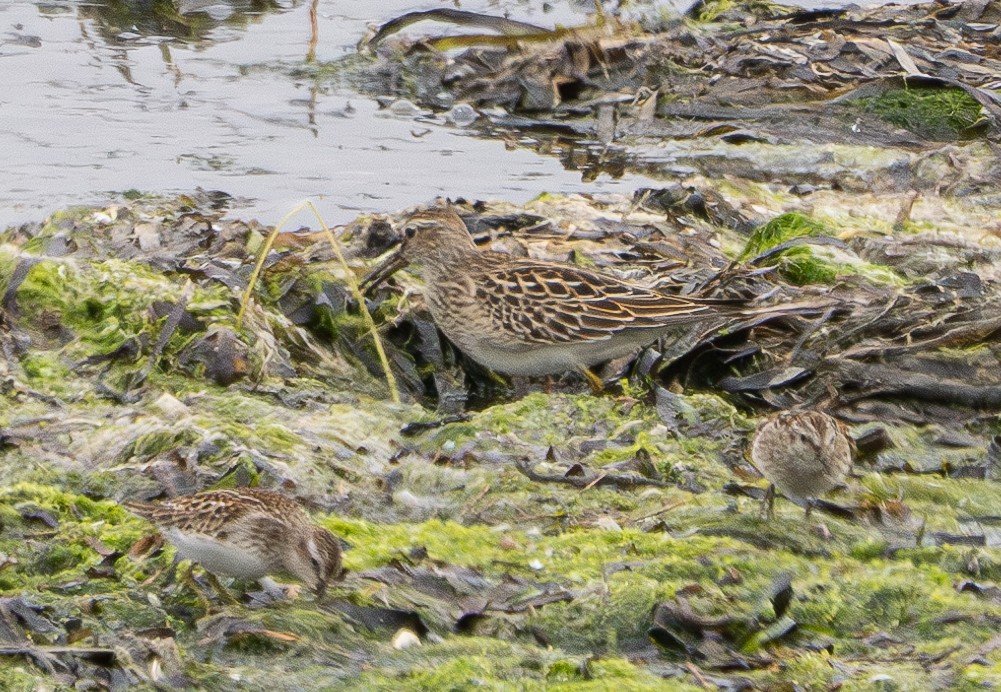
[247, 533]
[530, 317]
[802, 453]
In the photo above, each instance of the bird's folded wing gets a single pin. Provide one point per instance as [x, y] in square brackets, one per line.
[557, 304]
[201, 513]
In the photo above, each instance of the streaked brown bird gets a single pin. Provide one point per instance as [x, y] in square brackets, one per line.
[802, 453]
[530, 317]
[247, 533]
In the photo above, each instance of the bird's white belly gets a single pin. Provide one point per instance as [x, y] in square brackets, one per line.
[217, 557]
[535, 359]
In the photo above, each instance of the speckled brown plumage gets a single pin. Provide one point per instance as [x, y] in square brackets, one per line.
[530, 317]
[803, 453]
[247, 533]
[546, 303]
[209, 512]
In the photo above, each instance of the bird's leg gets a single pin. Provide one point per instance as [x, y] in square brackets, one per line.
[768, 502]
[597, 386]
[188, 577]
[223, 592]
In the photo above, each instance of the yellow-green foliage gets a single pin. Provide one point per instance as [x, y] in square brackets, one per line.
[104, 304]
[45, 555]
[807, 263]
[490, 664]
[714, 9]
[939, 113]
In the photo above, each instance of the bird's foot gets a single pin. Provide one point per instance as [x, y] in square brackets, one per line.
[810, 502]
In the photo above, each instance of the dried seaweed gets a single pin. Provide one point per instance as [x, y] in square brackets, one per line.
[799, 75]
[626, 519]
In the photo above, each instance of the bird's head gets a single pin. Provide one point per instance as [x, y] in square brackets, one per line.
[315, 559]
[433, 237]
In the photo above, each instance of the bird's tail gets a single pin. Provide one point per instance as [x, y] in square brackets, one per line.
[815, 308]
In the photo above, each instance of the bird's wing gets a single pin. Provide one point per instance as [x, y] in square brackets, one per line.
[553, 303]
[201, 513]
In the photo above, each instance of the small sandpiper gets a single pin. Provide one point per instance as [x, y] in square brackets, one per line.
[802, 453]
[530, 317]
[247, 533]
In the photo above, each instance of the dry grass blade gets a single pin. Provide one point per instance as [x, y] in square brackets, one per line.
[352, 284]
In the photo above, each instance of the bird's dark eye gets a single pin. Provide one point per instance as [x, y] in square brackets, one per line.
[410, 231]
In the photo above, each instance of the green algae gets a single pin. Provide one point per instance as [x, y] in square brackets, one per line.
[454, 495]
[42, 560]
[937, 113]
[618, 575]
[809, 263]
[104, 311]
[480, 663]
[49, 369]
[734, 10]
[104, 301]
[877, 593]
[539, 419]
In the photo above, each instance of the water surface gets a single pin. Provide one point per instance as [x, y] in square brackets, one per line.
[103, 96]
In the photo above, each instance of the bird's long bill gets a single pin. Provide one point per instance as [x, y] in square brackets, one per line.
[389, 266]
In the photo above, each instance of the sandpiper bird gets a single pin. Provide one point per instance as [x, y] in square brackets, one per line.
[530, 317]
[802, 453]
[247, 533]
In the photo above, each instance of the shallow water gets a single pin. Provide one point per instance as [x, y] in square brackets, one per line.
[106, 96]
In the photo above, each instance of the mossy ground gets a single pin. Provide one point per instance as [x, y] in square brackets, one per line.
[574, 573]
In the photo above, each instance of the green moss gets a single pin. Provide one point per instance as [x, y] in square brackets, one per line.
[548, 420]
[782, 228]
[52, 558]
[869, 549]
[343, 324]
[800, 266]
[565, 671]
[976, 677]
[937, 113]
[715, 10]
[47, 367]
[927, 495]
[9, 258]
[158, 441]
[489, 664]
[809, 264]
[608, 673]
[63, 553]
[16, 675]
[847, 593]
[104, 305]
[100, 307]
